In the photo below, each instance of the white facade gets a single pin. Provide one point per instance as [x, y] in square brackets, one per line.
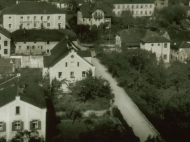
[13, 22]
[25, 113]
[5, 44]
[162, 50]
[34, 48]
[138, 10]
[71, 68]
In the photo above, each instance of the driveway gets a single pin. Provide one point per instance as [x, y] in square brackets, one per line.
[133, 116]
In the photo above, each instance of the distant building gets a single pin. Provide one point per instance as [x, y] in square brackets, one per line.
[138, 8]
[33, 15]
[68, 62]
[5, 43]
[157, 44]
[64, 4]
[94, 14]
[159, 4]
[19, 110]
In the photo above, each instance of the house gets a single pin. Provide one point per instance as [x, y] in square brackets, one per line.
[5, 43]
[33, 14]
[157, 44]
[94, 13]
[22, 107]
[35, 42]
[180, 51]
[138, 8]
[64, 4]
[130, 38]
[159, 4]
[67, 62]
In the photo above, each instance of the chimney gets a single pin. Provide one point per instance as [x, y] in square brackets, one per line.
[11, 61]
[17, 98]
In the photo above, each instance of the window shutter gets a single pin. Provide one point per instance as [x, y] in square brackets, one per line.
[4, 126]
[31, 128]
[13, 126]
[39, 125]
[22, 125]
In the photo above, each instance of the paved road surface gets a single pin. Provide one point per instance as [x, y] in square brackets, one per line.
[141, 126]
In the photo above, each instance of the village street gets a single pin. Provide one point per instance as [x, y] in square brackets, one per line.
[133, 116]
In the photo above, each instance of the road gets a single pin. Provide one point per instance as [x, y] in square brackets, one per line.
[133, 116]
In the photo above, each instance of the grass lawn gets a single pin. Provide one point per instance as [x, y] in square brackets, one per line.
[69, 101]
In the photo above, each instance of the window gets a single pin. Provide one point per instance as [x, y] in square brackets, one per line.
[141, 12]
[152, 44]
[165, 45]
[24, 42]
[48, 51]
[77, 64]
[28, 24]
[118, 6]
[83, 74]
[48, 17]
[9, 25]
[5, 51]
[141, 6]
[41, 47]
[28, 17]
[146, 12]
[34, 24]
[150, 6]
[0, 38]
[65, 64]
[17, 125]
[17, 110]
[9, 17]
[150, 12]
[21, 17]
[19, 47]
[123, 6]
[59, 18]
[1, 126]
[41, 17]
[59, 74]
[35, 124]
[28, 47]
[33, 47]
[47, 42]
[59, 25]
[72, 74]
[158, 44]
[165, 56]
[34, 17]
[48, 24]
[5, 43]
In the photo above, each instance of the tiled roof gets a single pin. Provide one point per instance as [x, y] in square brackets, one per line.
[37, 35]
[67, 1]
[133, 1]
[32, 93]
[88, 8]
[32, 7]
[5, 32]
[185, 45]
[176, 45]
[131, 36]
[154, 39]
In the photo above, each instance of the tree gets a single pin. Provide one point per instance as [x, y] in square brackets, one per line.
[91, 88]
[2, 139]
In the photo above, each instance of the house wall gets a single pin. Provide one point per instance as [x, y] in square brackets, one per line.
[71, 67]
[93, 20]
[138, 10]
[159, 4]
[27, 113]
[35, 48]
[14, 22]
[3, 47]
[159, 50]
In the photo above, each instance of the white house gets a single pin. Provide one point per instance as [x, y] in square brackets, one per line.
[137, 7]
[33, 14]
[67, 62]
[19, 110]
[158, 45]
[64, 4]
[94, 13]
[5, 43]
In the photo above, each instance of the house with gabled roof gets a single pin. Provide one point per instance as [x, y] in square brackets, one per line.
[68, 62]
[94, 13]
[23, 107]
[33, 14]
[5, 43]
[64, 4]
[156, 44]
[138, 8]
